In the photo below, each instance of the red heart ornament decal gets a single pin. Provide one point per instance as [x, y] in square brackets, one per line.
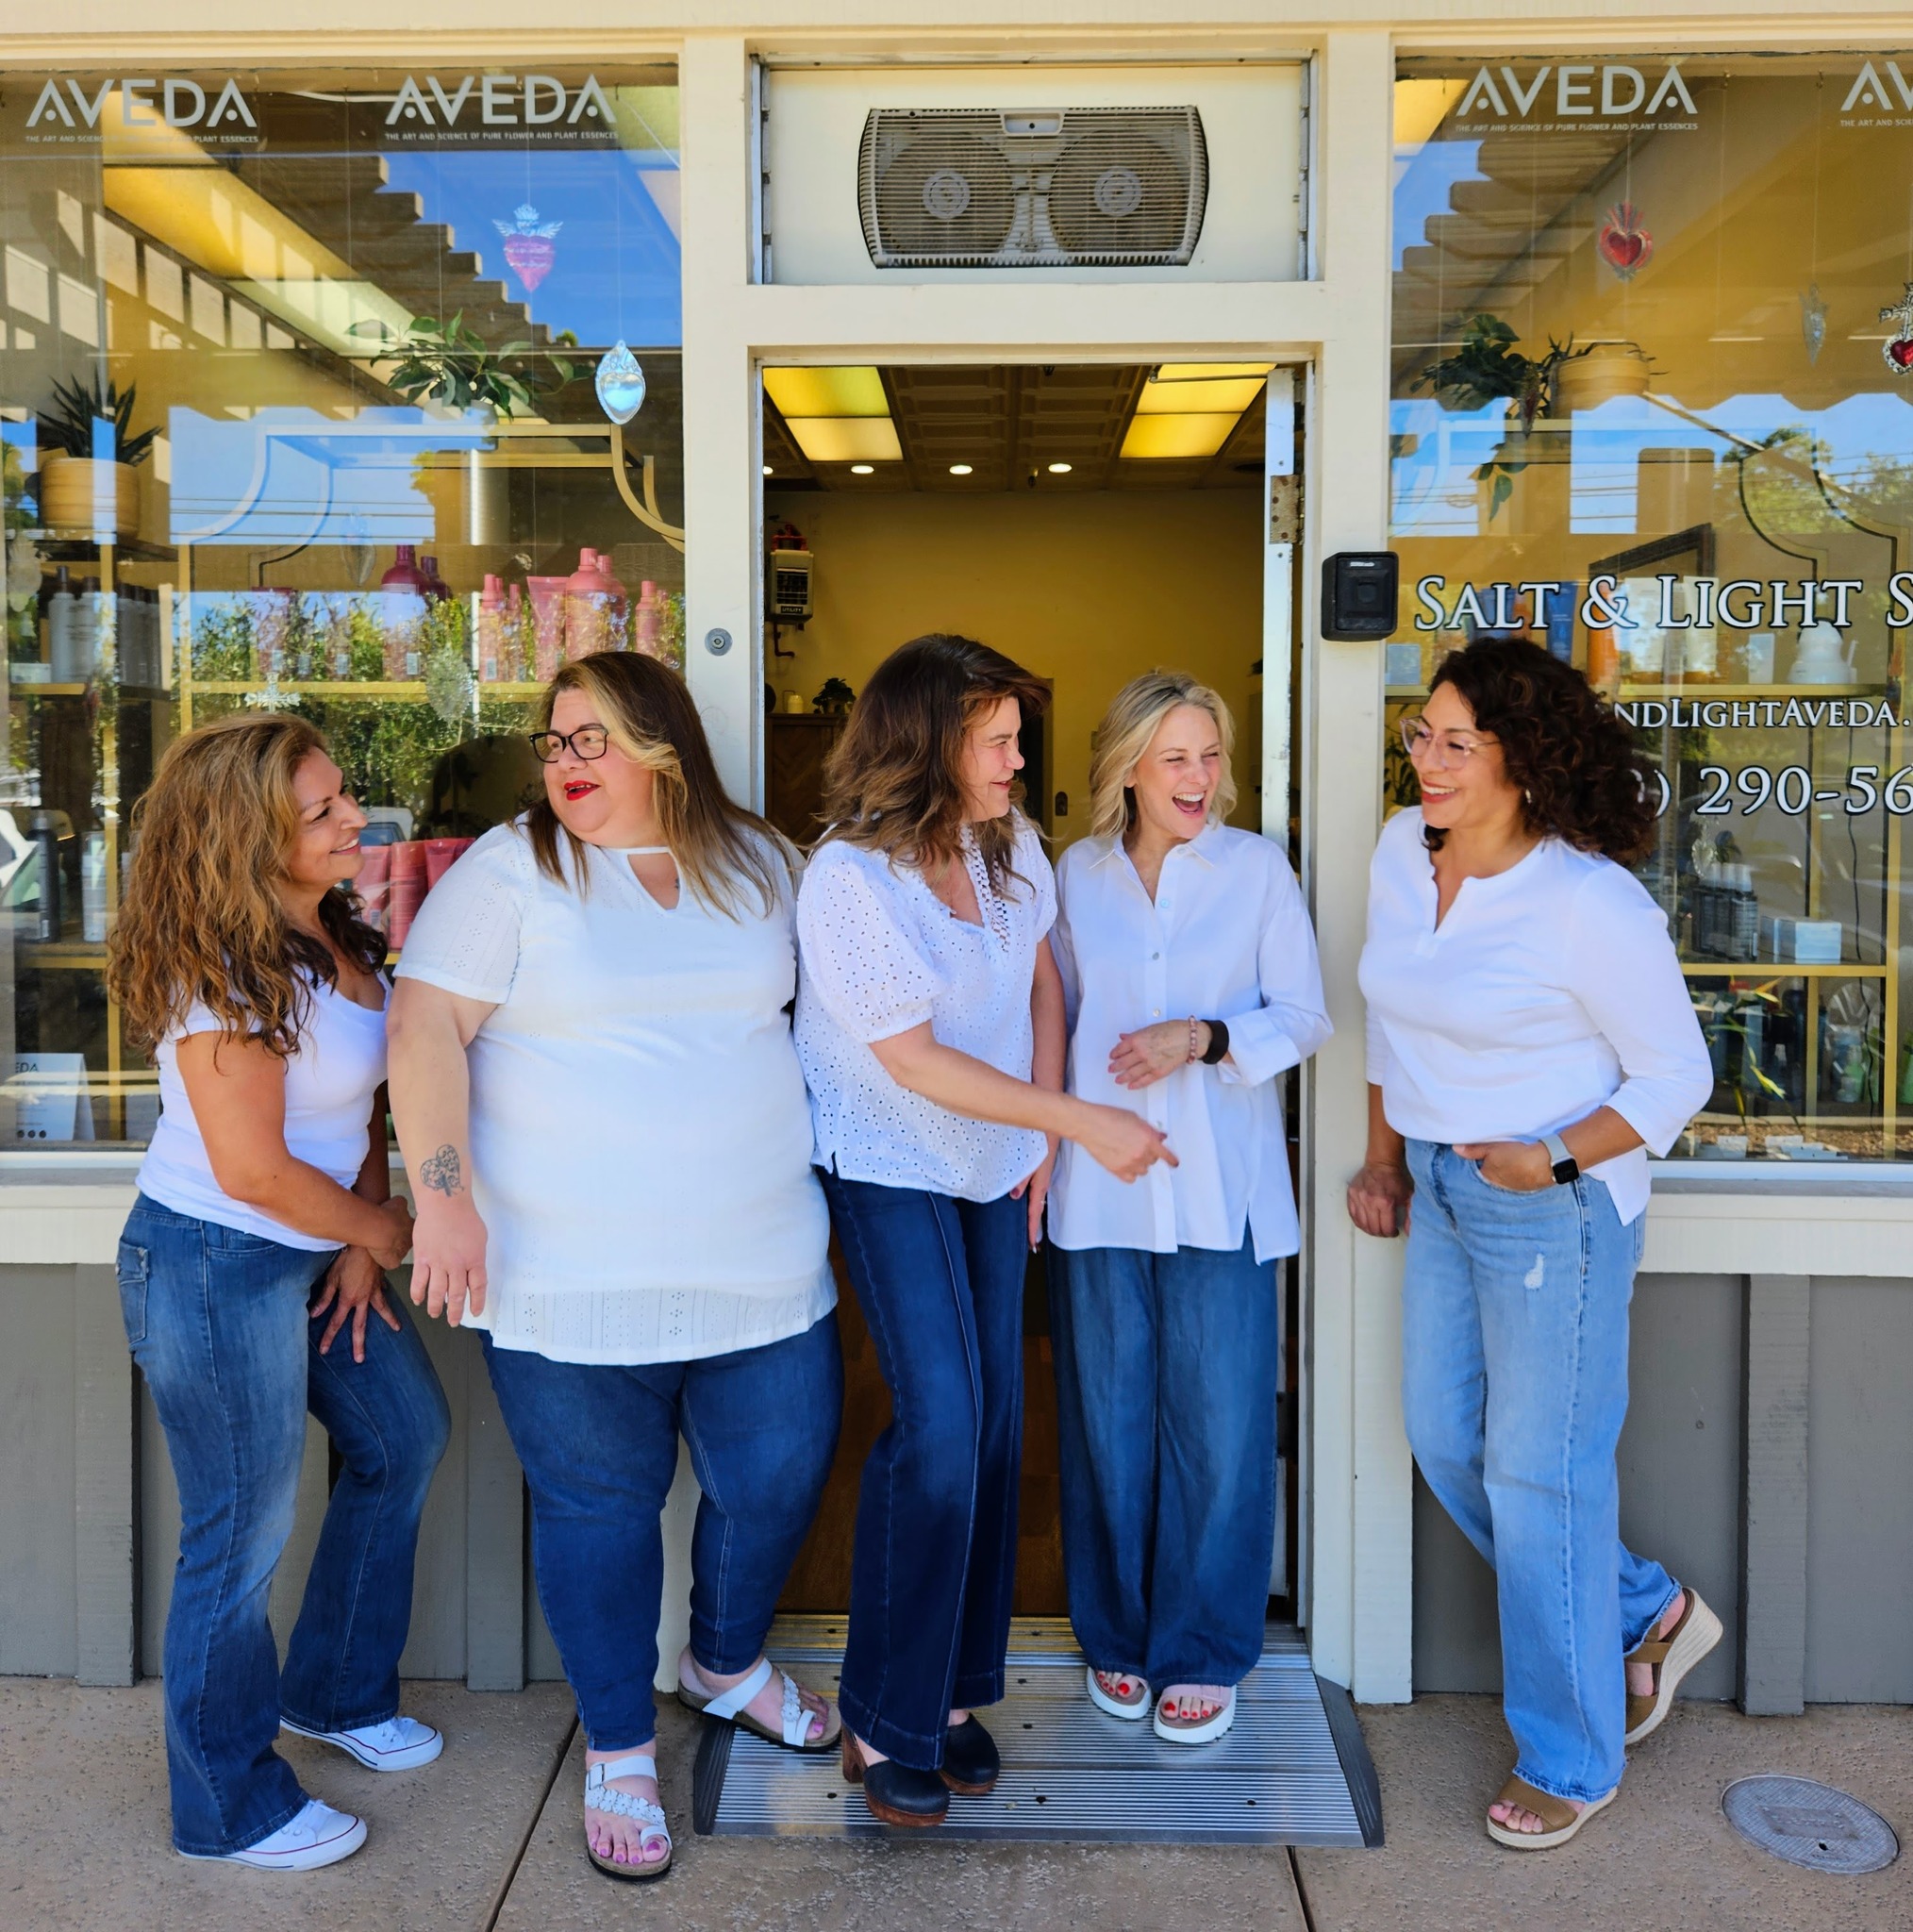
[1624, 244]
[1900, 352]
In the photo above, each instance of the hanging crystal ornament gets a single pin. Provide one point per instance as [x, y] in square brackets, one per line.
[448, 684]
[529, 249]
[1624, 245]
[1813, 321]
[1897, 347]
[621, 384]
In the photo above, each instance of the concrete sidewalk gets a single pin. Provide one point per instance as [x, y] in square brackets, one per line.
[490, 1838]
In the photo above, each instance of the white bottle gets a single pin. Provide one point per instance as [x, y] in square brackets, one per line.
[93, 888]
[59, 629]
[86, 630]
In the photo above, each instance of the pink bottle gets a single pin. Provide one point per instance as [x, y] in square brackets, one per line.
[440, 855]
[588, 607]
[548, 615]
[437, 588]
[407, 889]
[373, 884]
[650, 618]
[401, 604]
[619, 609]
[516, 652]
[492, 640]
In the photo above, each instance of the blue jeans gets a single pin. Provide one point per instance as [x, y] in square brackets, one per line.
[941, 1285]
[599, 1445]
[1165, 1370]
[218, 1323]
[1514, 1387]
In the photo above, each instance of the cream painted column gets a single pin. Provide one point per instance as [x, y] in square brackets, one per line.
[721, 429]
[1360, 1491]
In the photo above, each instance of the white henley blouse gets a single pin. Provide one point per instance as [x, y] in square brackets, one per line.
[1549, 991]
[640, 1146]
[1225, 938]
[882, 954]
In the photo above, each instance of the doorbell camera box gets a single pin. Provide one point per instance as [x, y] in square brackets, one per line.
[1360, 592]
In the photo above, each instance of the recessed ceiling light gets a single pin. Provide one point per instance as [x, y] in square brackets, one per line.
[768, 470]
[863, 469]
[1060, 469]
[959, 469]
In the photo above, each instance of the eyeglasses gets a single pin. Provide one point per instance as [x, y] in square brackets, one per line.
[587, 741]
[1445, 748]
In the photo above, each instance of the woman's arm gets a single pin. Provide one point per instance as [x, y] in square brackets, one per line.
[426, 1036]
[1122, 1142]
[1379, 1197]
[1525, 1167]
[238, 1091]
[1049, 1031]
[354, 1282]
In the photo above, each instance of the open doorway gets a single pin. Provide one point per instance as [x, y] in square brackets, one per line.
[1091, 522]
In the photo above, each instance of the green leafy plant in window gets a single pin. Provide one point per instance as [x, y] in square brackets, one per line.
[1488, 368]
[445, 362]
[68, 425]
[222, 644]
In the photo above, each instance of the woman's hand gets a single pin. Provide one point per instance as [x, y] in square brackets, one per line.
[1152, 1052]
[1521, 1167]
[448, 1270]
[1122, 1142]
[398, 1244]
[353, 1284]
[1379, 1199]
[1037, 1187]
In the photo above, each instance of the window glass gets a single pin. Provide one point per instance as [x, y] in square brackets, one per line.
[1653, 381]
[354, 390]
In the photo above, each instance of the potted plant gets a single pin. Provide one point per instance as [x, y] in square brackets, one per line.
[446, 362]
[88, 481]
[1488, 366]
[835, 699]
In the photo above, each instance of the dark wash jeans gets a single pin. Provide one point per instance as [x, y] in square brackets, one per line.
[941, 1285]
[1166, 1369]
[218, 1323]
[599, 1445]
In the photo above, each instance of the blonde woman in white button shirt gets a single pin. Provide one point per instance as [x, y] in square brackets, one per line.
[1189, 970]
[1530, 1037]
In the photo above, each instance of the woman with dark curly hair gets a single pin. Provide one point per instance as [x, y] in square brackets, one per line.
[1530, 1037]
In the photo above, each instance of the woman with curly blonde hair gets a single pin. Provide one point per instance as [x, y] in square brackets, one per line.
[262, 1227]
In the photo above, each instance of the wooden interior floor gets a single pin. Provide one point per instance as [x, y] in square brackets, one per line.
[821, 1578]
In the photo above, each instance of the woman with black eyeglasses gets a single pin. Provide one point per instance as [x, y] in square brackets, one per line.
[606, 1127]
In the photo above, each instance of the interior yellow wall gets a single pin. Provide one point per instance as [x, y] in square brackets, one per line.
[1086, 588]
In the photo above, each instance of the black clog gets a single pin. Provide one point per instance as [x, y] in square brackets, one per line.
[971, 1762]
[894, 1792]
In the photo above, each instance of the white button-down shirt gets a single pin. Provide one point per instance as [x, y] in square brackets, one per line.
[1226, 938]
[1548, 990]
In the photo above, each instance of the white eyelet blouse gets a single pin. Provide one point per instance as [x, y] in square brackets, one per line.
[881, 954]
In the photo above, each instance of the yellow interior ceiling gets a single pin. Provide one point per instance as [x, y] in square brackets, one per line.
[814, 393]
[1202, 389]
[847, 438]
[1421, 107]
[1163, 436]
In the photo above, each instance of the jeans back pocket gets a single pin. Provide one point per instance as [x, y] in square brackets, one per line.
[134, 1267]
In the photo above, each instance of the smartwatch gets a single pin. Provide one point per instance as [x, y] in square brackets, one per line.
[1566, 1167]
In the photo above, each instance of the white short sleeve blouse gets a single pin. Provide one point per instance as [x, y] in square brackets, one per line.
[1548, 990]
[641, 1143]
[882, 954]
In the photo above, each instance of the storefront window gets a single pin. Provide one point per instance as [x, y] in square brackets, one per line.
[1653, 381]
[352, 390]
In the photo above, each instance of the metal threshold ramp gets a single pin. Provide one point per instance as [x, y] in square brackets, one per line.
[1293, 1771]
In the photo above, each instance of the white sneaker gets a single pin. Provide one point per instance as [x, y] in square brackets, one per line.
[318, 1836]
[400, 1744]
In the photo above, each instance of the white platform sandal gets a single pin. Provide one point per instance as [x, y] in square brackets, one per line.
[1176, 1730]
[599, 1796]
[729, 1705]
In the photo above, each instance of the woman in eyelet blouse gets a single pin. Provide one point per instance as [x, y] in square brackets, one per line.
[930, 1027]
[1530, 1037]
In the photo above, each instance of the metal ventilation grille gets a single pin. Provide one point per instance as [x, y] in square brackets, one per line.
[1080, 187]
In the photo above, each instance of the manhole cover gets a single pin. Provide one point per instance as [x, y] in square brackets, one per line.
[1808, 1823]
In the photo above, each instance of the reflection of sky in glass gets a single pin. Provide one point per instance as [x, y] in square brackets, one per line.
[294, 476]
[1422, 178]
[1434, 493]
[615, 270]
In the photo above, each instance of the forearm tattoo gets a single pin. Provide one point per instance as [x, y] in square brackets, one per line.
[440, 1171]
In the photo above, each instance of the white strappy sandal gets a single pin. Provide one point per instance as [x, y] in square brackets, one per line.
[600, 1796]
[731, 1704]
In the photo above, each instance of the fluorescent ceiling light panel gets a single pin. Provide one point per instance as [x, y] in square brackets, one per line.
[1155, 438]
[826, 393]
[847, 438]
[1197, 389]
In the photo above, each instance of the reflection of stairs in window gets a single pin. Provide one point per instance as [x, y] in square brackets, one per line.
[1505, 231]
[342, 201]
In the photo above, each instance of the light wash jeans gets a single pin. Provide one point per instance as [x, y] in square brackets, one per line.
[1165, 1370]
[218, 1323]
[1514, 1386]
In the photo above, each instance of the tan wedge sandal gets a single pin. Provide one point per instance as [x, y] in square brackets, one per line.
[1560, 1818]
[1672, 1657]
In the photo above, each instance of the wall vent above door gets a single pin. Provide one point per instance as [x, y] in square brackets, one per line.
[1047, 188]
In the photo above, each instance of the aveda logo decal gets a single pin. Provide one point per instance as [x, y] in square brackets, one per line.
[142, 104]
[1869, 91]
[1619, 92]
[505, 100]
